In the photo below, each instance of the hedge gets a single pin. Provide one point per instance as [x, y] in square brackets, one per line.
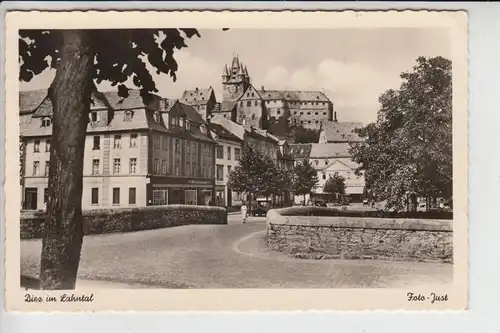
[328, 211]
[101, 221]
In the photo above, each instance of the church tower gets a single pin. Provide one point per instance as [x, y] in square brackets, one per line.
[235, 80]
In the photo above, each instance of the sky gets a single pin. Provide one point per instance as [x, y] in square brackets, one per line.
[352, 66]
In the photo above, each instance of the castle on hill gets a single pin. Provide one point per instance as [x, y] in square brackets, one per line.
[273, 110]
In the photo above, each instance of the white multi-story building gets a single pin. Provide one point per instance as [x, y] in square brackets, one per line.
[231, 146]
[329, 159]
[135, 155]
[227, 155]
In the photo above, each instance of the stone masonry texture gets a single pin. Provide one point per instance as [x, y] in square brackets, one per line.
[361, 238]
[135, 219]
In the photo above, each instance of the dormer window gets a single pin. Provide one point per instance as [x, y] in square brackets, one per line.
[94, 116]
[188, 125]
[181, 122]
[172, 120]
[157, 117]
[129, 115]
[46, 122]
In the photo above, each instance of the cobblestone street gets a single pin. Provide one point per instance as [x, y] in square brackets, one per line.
[226, 256]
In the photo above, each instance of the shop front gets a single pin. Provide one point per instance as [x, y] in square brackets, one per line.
[220, 195]
[180, 191]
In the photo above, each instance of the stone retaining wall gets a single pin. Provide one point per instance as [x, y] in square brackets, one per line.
[337, 237]
[104, 221]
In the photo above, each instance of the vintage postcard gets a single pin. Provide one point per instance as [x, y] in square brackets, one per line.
[236, 161]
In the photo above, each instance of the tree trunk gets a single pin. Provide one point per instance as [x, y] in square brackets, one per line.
[70, 94]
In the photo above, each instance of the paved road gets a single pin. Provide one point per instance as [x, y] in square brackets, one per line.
[226, 256]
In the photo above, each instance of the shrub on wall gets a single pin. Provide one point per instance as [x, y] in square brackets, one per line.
[101, 221]
[327, 211]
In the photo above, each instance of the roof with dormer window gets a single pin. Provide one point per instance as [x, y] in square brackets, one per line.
[197, 96]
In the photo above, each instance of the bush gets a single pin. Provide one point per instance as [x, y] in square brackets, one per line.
[326, 211]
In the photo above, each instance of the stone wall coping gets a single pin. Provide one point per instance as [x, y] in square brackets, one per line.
[275, 218]
[106, 211]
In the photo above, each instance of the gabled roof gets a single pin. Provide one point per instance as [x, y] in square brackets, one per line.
[334, 161]
[133, 101]
[271, 94]
[341, 131]
[197, 96]
[329, 150]
[294, 95]
[223, 133]
[300, 150]
[179, 108]
[231, 126]
[305, 95]
[262, 133]
[44, 109]
[30, 100]
[251, 89]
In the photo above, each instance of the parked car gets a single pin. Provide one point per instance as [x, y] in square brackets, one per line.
[259, 210]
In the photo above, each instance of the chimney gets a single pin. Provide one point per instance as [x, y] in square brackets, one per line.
[262, 88]
[335, 116]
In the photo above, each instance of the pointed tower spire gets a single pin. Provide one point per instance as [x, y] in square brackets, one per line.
[246, 72]
[241, 71]
[236, 63]
[226, 71]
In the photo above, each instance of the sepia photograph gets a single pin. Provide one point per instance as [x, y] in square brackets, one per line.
[220, 157]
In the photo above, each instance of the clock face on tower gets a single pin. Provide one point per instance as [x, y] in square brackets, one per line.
[231, 89]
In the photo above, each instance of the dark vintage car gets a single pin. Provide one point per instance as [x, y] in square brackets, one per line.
[259, 210]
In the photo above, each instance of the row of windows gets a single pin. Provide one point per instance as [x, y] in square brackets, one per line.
[95, 116]
[117, 141]
[308, 113]
[94, 200]
[295, 121]
[36, 169]
[257, 103]
[249, 103]
[220, 172]
[36, 146]
[160, 197]
[348, 177]
[220, 153]
[190, 146]
[96, 166]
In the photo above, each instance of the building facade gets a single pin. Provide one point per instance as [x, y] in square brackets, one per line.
[264, 108]
[277, 150]
[334, 158]
[227, 155]
[329, 159]
[136, 154]
[202, 100]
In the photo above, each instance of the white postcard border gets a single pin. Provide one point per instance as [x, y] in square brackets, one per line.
[241, 299]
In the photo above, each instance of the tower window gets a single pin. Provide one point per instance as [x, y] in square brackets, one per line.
[249, 103]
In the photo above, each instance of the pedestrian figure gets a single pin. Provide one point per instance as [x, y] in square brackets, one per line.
[244, 212]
